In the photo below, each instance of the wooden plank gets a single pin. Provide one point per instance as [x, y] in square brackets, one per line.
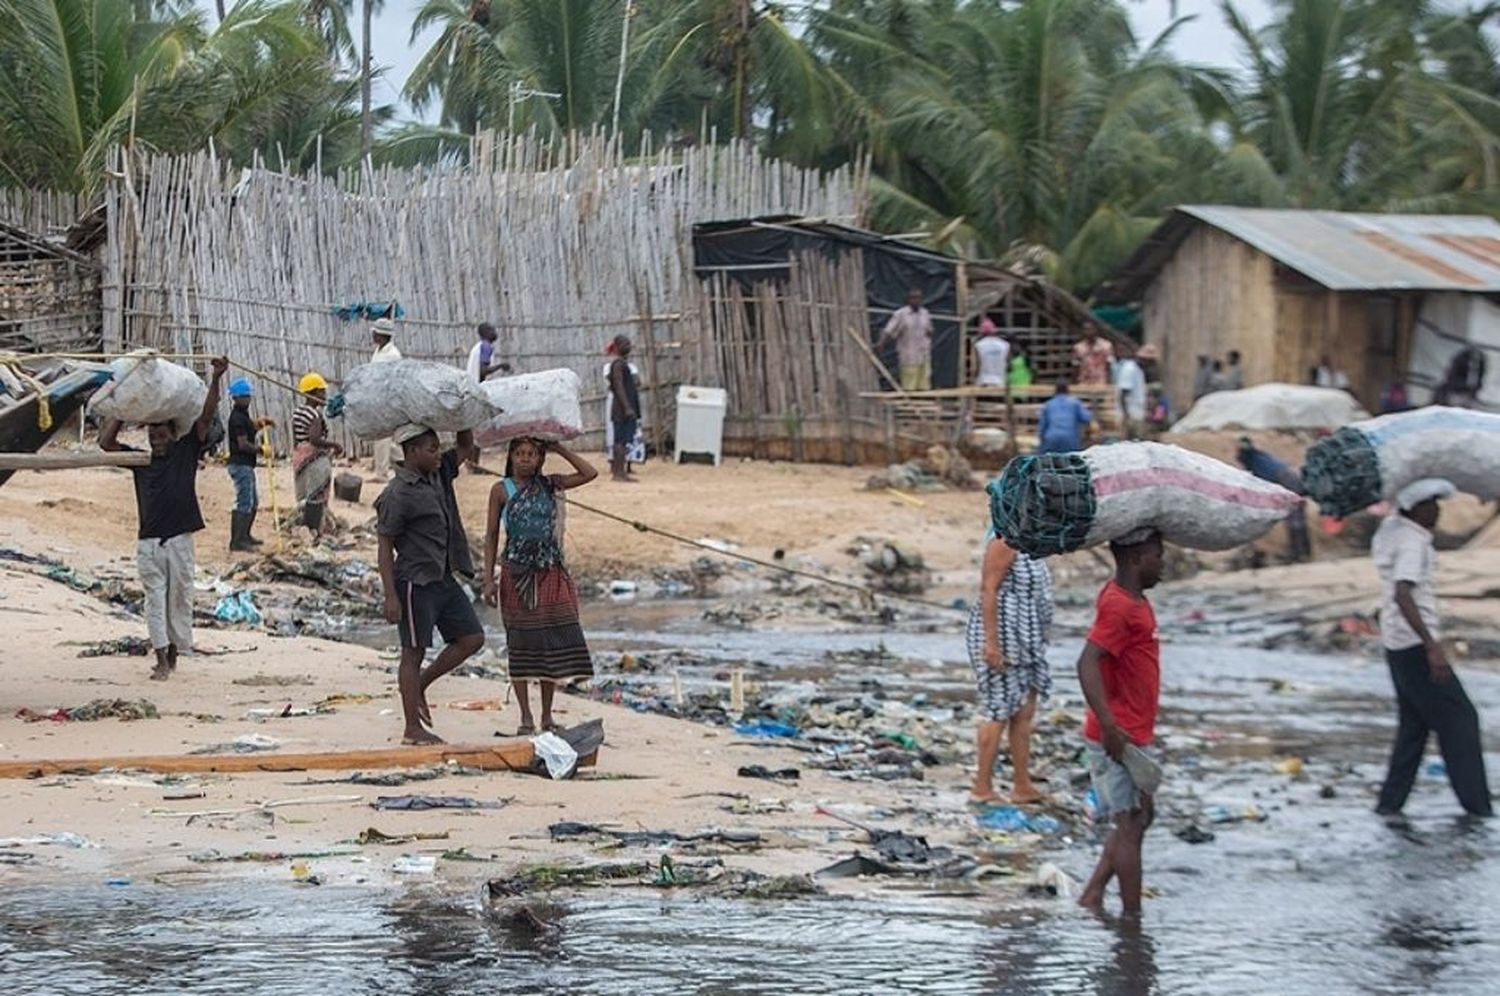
[505, 756]
[69, 461]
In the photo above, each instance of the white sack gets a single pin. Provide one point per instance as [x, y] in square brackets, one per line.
[544, 405]
[146, 389]
[1460, 445]
[379, 398]
[1191, 499]
[1265, 407]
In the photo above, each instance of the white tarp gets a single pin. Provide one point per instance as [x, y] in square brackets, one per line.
[379, 398]
[147, 389]
[1446, 324]
[1272, 407]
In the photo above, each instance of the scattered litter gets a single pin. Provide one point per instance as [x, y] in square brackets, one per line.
[559, 756]
[1291, 766]
[414, 864]
[664, 873]
[273, 680]
[117, 883]
[122, 709]
[1194, 834]
[1053, 881]
[639, 838]
[288, 711]
[249, 743]
[65, 838]
[238, 607]
[421, 803]
[370, 835]
[1013, 819]
[477, 705]
[761, 771]
[766, 728]
[125, 646]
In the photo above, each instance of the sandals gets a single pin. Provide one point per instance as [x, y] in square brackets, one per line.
[526, 730]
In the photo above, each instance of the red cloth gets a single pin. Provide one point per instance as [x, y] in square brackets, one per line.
[1125, 629]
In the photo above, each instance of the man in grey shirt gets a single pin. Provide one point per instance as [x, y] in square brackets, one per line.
[1429, 696]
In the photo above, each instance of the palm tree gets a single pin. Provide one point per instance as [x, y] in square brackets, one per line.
[465, 69]
[366, 74]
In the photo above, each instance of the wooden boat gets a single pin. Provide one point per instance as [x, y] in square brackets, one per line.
[66, 386]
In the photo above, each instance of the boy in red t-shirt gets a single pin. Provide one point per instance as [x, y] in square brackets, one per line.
[1120, 671]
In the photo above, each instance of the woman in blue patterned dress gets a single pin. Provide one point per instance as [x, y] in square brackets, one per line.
[1007, 639]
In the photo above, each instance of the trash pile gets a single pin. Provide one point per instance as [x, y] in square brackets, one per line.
[122, 709]
[712, 876]
[890, 568]
[941, 469]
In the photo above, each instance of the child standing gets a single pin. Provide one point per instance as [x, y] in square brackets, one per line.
[536, 595]
[1120, 671]
[422, 547]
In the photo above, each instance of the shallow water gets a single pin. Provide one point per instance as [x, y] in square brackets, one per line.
[1322, 898]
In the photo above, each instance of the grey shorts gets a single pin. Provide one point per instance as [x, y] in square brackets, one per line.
[1115, 789]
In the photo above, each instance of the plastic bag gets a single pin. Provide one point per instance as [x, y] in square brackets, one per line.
[1370, 461]
[544, 405]
[559, 756]
[379, 398]
[1056, 502]
[145, 389]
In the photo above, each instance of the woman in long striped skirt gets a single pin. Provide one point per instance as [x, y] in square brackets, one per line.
[536, 595]
[1007, 641]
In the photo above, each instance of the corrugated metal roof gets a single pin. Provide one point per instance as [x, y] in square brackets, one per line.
[1367, 252]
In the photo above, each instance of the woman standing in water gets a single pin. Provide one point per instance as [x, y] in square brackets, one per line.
[536, 595]
[1007, 638]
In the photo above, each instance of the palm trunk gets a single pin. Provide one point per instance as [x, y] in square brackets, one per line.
[364, 88]
[745, 15]
[219, 8]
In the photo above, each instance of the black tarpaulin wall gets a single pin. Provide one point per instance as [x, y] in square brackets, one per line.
[757, 250]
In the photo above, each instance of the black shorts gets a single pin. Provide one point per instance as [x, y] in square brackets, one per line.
[625, 431]
[442, 604]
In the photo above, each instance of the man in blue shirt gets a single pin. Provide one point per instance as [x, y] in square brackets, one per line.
[1064, 421]
[1266, 467]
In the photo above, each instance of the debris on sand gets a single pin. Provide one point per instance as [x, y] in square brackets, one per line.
[121, 709]
[711, 876]
[125, 646]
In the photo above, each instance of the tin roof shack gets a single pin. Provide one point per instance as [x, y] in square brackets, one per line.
[1286, 287]
[793, 308]
[49, 296]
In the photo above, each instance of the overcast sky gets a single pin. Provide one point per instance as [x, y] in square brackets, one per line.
[1205, 40]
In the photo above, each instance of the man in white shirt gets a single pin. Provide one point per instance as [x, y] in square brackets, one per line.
[381, 333]
[993, 353]
[911, 328]
[1130, 386]
[1429, 696]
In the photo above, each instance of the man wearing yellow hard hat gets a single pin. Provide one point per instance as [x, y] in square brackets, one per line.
[312, 451]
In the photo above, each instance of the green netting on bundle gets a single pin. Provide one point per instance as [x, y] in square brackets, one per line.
[1044, 504]
[1342, 473]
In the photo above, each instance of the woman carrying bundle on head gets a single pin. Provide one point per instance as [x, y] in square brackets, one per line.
[536, 595]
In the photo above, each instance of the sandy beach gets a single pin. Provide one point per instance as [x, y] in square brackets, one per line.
[655, 772]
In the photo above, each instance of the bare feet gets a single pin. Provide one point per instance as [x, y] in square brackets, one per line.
[420, 737]
[990, 798]
[1027, 798]
[1091, 900]
[424, 711]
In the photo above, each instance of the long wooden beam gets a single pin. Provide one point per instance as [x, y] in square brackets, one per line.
[69, 461]
[507, 755]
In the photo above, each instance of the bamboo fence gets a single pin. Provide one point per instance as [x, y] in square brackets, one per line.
[42, 212]
[560, 246]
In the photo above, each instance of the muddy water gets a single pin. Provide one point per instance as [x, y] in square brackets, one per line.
[1320, 898]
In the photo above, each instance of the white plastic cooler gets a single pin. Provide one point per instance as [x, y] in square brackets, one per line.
[700, 421]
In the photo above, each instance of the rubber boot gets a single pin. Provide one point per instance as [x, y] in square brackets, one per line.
[249, 525]
[312, 517]
[239, 526]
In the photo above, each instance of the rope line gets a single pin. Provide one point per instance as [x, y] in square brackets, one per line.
[867, 592]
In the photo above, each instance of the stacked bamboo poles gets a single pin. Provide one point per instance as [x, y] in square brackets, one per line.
[554, 244]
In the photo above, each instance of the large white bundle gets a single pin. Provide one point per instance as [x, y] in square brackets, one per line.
[1367, 462]
[379, 398]
[1056, 502]
[146, 389]
[544, 405]
[1264, 407]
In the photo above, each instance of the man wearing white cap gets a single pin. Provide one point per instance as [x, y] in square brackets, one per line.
[1429, 696]
[381, 334]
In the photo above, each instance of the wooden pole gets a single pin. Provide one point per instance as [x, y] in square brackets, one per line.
[648, 332]
[875, 359]
[69, 461]
[507, 756]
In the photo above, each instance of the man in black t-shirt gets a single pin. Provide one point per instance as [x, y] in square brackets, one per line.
[166, 501]
[242, 454]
